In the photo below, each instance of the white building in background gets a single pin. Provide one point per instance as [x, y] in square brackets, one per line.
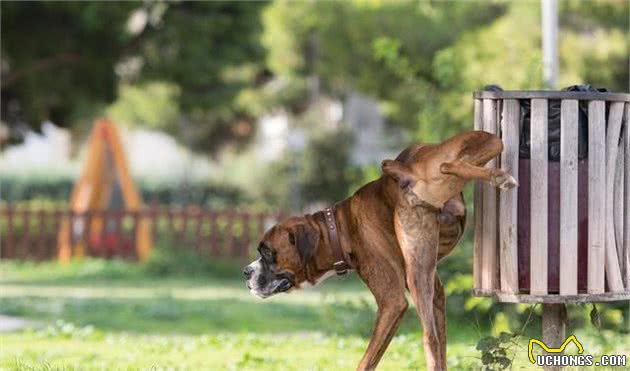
[371, 141]
[272, 136]
[156, 156]
[152, 155]
[43, 153]
[358, 113]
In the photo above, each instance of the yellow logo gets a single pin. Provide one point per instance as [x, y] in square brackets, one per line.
[571, 338]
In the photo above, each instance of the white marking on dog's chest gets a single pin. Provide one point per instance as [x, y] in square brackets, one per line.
[325, 276]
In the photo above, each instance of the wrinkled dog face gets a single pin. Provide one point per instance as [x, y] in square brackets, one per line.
[284, 251]
[263, 277]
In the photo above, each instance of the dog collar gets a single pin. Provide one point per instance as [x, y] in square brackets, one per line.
[341, 264]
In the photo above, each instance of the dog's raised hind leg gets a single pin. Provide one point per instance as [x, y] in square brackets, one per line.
[417, 230]
[465, 170]
[439, 309]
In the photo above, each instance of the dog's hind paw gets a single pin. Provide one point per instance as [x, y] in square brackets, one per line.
[504, 181]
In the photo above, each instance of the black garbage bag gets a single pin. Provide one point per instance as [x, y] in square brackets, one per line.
[553, 112]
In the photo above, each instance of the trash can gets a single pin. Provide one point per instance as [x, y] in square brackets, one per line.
[563, 235]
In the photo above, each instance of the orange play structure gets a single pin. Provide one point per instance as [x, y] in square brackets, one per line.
[105, 171]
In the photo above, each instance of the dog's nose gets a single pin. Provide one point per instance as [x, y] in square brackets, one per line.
[247, 272]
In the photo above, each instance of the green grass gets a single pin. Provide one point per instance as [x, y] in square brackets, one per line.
[114, 315]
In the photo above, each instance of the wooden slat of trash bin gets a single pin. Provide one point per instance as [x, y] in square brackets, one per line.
[478, 201]
[626, 196]
[569, 197]
[508, 198]
[596, 201]
[539, 158]
[613, 272]
[489, 247]
[618, 209]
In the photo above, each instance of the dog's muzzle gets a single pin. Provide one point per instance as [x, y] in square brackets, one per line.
[262, 281]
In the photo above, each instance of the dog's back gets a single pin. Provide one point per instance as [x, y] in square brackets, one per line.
[452, 219]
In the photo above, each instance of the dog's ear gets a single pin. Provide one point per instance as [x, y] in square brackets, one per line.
[400, 172]
[305, 238]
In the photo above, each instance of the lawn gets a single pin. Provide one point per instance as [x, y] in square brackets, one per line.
[97, 315]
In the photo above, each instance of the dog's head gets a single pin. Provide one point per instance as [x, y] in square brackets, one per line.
[284, 253]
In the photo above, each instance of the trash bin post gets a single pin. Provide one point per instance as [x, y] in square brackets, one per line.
[554, 319]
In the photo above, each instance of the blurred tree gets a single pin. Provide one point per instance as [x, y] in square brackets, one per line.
[212, 51]
[423, 59]
[62, 61]
[320, 179]
[595, 47]
[57, 57]
[153, 105]
[383, 49]
[206, 60]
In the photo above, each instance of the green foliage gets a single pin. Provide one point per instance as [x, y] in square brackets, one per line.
[59, 57]
[595, 317]
[204, 66]
[78, 270]
[212, 52]
[424, 77]
[171, 261]
[15, 189]
[35, 189]
[369, 47]
[152, 105]
[494, 351]
[323, 174]
[68, 330]
[63, 62]
[320, 173]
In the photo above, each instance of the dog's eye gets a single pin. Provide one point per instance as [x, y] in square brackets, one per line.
[266, 253]
[287, 275]
[292, 238]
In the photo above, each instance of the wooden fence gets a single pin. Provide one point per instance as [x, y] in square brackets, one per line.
[27, 233]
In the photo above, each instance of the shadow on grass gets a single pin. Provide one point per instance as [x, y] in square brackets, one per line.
[168, 298]
[182, 270]
[89, 270]
[168, 315]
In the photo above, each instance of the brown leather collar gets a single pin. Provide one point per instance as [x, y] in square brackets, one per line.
[341, 264]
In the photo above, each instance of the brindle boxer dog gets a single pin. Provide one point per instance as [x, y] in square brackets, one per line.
[392, 232]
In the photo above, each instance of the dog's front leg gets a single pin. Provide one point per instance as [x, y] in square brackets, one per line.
[417, 230]
[387, 321]
[386, 280]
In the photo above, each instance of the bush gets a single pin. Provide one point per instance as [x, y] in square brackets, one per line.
[167, 260]
[16, 189]
[77, 270]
